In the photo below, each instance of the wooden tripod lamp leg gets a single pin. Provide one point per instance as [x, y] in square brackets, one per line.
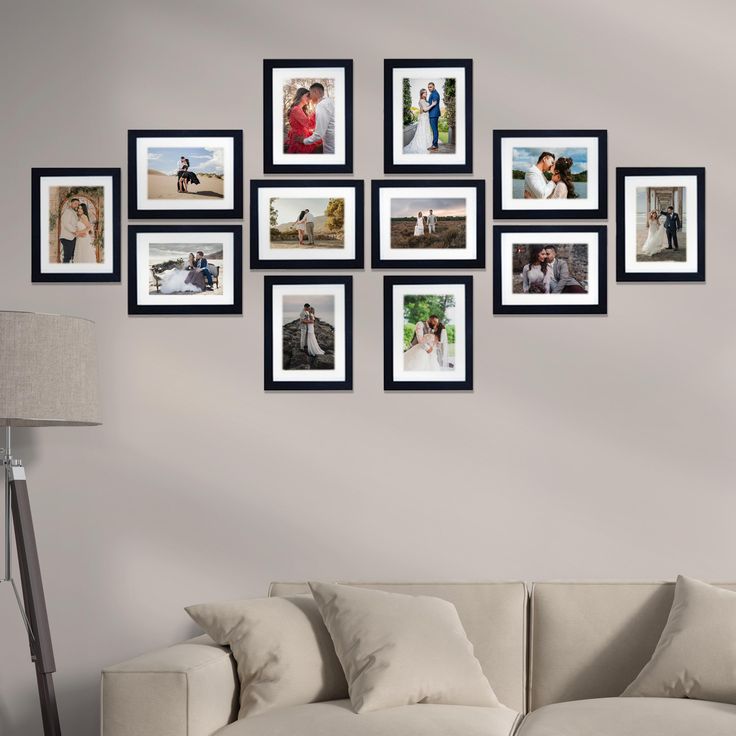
[34, 602]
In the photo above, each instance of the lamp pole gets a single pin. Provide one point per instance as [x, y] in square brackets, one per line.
[33, 606]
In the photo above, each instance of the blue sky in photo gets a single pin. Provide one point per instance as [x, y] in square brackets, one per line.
[201, 160]
[523, 158]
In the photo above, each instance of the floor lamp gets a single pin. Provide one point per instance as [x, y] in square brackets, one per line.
[48, 377]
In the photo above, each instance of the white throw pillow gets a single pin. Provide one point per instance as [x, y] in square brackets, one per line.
[401, 649]
[283, 651]
[696, 654]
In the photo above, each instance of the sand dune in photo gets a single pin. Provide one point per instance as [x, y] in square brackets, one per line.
[163, 186]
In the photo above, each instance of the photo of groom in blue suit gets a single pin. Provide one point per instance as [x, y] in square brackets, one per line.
[434, 115]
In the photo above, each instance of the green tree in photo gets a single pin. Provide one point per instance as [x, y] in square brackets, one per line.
[418, 308]
[448, 90]
[406, 98]
[273, 213]
[335, 212]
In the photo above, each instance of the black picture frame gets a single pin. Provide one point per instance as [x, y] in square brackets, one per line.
[601, 307]
[389, 166]
[193, 213]
[269, 166]
[599, 213]
[134, 308]
[622, 275]
[256, 262]
[379, 263]
[296, 385]
[37, 274]
[389, 381]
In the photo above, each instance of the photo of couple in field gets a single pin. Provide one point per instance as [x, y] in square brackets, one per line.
[185, 173]
[428, 223]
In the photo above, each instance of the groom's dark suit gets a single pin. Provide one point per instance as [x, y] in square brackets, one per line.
[202, 264]
[434, 117]
[672, 224]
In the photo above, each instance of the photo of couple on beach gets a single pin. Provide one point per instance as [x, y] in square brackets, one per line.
[174, 173]
[429, 332]
[178, 268]
[76, 224]
[549, 174]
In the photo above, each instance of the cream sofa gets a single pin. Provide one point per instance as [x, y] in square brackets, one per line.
[557, 656]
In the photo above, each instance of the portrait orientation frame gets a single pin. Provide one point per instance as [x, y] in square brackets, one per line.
[391, 321]
[271, 380]
[378, 226]
[135, 307]
[136, 207]
[272, 127]
[44, 272]
[503, 191]
[356, 226]
[595, 303]
[669, 271]
[390, 166]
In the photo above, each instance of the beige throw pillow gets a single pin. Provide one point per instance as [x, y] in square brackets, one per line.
[283, 651]
[401, 649]
[696, 654]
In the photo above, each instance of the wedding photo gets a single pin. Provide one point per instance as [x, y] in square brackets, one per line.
[660, 224]
[549, 269]
[428, 333]
[427, 108]
[185, 269]
[550, 174]
[307, 116]
[295, 224]
[420, 225]
[178, 173]
[307, 223]
[185, 173]
[76, 225]
[308, 333]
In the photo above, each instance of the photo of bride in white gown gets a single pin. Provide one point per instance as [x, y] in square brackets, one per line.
[428, 349]
[423, 135]
[85, 251]
[657, 236]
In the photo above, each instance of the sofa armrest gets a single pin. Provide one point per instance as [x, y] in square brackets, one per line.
[189, 689]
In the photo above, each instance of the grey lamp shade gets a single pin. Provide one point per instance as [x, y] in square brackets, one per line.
[48, 370]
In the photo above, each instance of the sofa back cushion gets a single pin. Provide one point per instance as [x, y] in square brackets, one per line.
[494, 616]
[590, 640]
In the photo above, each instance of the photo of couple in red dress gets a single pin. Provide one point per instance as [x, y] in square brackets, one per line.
[309, 118]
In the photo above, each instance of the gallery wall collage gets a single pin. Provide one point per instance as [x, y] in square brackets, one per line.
[314, 223]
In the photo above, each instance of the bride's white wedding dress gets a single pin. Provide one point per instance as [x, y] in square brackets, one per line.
[657, 237]
[422, 139]
[313, 347]
[419, 227]
[175, 282]
[416, 358]
[84, 250]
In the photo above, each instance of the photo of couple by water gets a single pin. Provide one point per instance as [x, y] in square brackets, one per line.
[429, 333]
[428, 223]
[182, 268]
[661, 231]
[550, 174]
[308, 332]
[177, 173]
[550, 269]
[298, 222]
[309, 116]
[429, 115]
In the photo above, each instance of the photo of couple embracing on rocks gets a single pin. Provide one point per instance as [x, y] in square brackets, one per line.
[309, 340]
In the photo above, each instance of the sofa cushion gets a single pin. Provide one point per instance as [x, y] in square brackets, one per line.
[632, 717]
[283, 651]
[401, 649]
[336, 718]
[696, 654]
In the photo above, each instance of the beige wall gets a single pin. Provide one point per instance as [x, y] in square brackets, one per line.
[592, 447]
